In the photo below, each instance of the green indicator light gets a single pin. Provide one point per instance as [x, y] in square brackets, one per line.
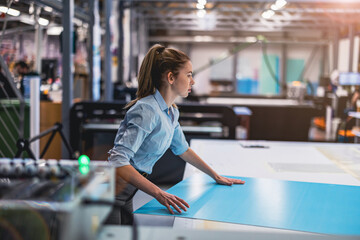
[84, 169]
[84, 160]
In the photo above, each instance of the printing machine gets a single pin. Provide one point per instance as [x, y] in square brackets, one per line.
[46, 199]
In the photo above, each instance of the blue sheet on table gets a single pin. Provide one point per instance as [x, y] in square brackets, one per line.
[302, 206]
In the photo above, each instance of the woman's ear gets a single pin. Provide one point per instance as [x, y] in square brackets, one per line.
[170, 78]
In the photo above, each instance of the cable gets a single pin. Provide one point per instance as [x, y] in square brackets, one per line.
[311, 86]
[88, 201]
[230, 53]
[306, 67]
[267, 63]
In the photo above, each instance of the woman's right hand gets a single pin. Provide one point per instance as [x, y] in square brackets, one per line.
[168, 200]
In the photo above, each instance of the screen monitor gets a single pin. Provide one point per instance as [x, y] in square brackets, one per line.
[349, 78]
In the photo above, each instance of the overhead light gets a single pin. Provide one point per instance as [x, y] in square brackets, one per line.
[48, 9]
[278, 5]
[274, 7]
[55, 30]
[202, 2]
[31, 8]
[251, 39]
[27, 19]
[203, 38]
[268, 14]
[43, 21]
[201, 13]
[77, 22]
[10, 11]
[200, 6]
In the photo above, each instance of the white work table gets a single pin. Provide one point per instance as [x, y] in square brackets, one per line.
[331, 163]
[294, 161]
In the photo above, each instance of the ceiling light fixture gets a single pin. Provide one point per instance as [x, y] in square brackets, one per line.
[77, 22]
[55, 30]
[201, 13]
[278, 5]
[31, 8]
[268, 14]
[200, 6]
[10, 11]
[251, 39]
[202, 2]
[48, 9]
[43, 21]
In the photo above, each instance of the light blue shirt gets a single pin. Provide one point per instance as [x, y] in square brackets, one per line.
[147, 131]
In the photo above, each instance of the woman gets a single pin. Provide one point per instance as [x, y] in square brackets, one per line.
[151, 126]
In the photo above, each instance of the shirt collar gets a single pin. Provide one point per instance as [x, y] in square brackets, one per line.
[160, 100]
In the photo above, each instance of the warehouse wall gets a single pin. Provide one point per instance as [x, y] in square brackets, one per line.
[250, 64]
[344, 46]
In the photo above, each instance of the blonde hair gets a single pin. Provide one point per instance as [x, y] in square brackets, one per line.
[158, 61]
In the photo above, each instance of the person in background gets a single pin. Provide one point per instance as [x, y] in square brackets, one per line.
[355, 98]
[21, 69]
[150, 127]
[6, 91]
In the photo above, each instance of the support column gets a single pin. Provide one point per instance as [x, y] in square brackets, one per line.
[283, 84]
[351, 48]
[120, 52]
[35, 93]
[143, 40]
[67, 66]
[96, 84]
[108, 61]
[90, 51]
[336, 50]
[234, 70]
[324, 65]
[133, 45]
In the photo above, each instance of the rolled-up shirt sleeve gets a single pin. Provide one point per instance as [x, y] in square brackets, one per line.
[139, 122]
[179, 145]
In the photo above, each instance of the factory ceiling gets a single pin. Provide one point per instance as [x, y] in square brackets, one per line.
[23, 14]
[206, 17]
[239, 17]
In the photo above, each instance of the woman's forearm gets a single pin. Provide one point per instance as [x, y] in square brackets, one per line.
[128, 174]
[191, 157]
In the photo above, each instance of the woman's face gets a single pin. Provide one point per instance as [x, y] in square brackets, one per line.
[184, 81]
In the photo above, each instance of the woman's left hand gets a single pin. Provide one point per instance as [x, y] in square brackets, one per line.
[228, 181]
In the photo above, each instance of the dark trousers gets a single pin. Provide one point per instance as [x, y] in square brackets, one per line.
[123, 216]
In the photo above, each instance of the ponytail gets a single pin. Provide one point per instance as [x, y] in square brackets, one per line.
[157, 61]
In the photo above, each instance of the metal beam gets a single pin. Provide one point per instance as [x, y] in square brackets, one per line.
[90, 49]
[108, 61]
[335, 49]
[240, 28]
[58, 6]
[221, 9]
[171, 24]
[216, 39]
[120, 53]
[17, 30]
[283, 61]
[244, 1]
[67, 74]
[351, 48]
[233, 17]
